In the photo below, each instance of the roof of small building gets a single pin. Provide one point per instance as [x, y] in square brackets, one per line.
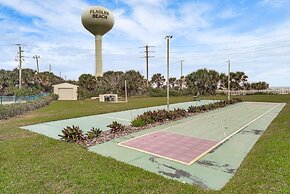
[68, 85]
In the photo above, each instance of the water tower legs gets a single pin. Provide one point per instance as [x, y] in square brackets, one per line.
[99, 61]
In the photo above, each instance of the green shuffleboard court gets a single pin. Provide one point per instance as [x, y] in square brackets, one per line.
[235, 128]
[219, 140]
[53, 129]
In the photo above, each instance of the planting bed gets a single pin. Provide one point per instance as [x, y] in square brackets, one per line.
[145, 120]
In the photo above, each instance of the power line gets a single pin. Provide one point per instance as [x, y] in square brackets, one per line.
[235, 42]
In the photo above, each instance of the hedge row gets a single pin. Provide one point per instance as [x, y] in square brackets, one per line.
[151, 117]
[12, 110]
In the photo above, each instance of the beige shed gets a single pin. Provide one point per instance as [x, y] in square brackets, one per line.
[66, 91]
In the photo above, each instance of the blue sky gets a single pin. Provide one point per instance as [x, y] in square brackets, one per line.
[253, 34]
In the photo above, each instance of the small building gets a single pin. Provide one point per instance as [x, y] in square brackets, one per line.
[66, 91]
[108, 97]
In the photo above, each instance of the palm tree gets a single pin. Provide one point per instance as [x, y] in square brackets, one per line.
[158, 80]
[172, 82]
[223, 81]
[113, 81]
[238, 80]
[203, 81]
[136, 84]
[88, 82]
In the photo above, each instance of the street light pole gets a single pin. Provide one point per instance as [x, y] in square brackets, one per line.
[181, 72]
[229, 79]
[167, 80]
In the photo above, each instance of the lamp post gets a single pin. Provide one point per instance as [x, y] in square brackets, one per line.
[229, 79]
[167, 79]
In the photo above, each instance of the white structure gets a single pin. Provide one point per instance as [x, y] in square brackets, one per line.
[66, 91]
[98, 21]
[267, 91]
[108, 97]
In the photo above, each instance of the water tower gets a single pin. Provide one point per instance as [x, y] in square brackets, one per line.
[98, 21]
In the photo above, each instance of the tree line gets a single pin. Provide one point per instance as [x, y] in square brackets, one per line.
[202, 81]
[32, 82]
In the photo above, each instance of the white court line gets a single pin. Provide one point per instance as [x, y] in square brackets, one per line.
[264, 103]
[160, 156]
[108, 117]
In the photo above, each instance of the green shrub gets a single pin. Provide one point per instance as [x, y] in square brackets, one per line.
[138, 122]
[116, 127]
[194, 109]
[25, 91]
[157, 92]
[150, 117]
[73, 134]
[175, 93]
[160, 92]
[12, 110]
[83, 93]
[236, 100]
[94, 133]
[180, 112]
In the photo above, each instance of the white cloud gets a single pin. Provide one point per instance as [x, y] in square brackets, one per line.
[229, 14]
[275, 3]
[56, 34]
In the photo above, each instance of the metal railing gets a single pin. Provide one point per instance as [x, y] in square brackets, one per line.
[20, 99]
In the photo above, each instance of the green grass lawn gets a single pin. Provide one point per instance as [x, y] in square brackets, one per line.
[32, 163]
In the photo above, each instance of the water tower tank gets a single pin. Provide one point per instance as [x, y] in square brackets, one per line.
[98, 21]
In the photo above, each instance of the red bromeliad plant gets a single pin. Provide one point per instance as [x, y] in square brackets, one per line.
[94, 133]
[73, 134]
[116, 127]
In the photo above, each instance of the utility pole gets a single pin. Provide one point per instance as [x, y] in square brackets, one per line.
[60, 74]
[167, 79]
[229, 79]
[37, 57]
[20, 58]
[49, 68]
[147, 62]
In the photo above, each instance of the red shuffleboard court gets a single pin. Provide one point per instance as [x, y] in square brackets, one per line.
[170, 146]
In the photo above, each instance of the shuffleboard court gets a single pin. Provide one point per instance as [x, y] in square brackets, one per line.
[53, 129]
[206, 149]
[189, 141]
